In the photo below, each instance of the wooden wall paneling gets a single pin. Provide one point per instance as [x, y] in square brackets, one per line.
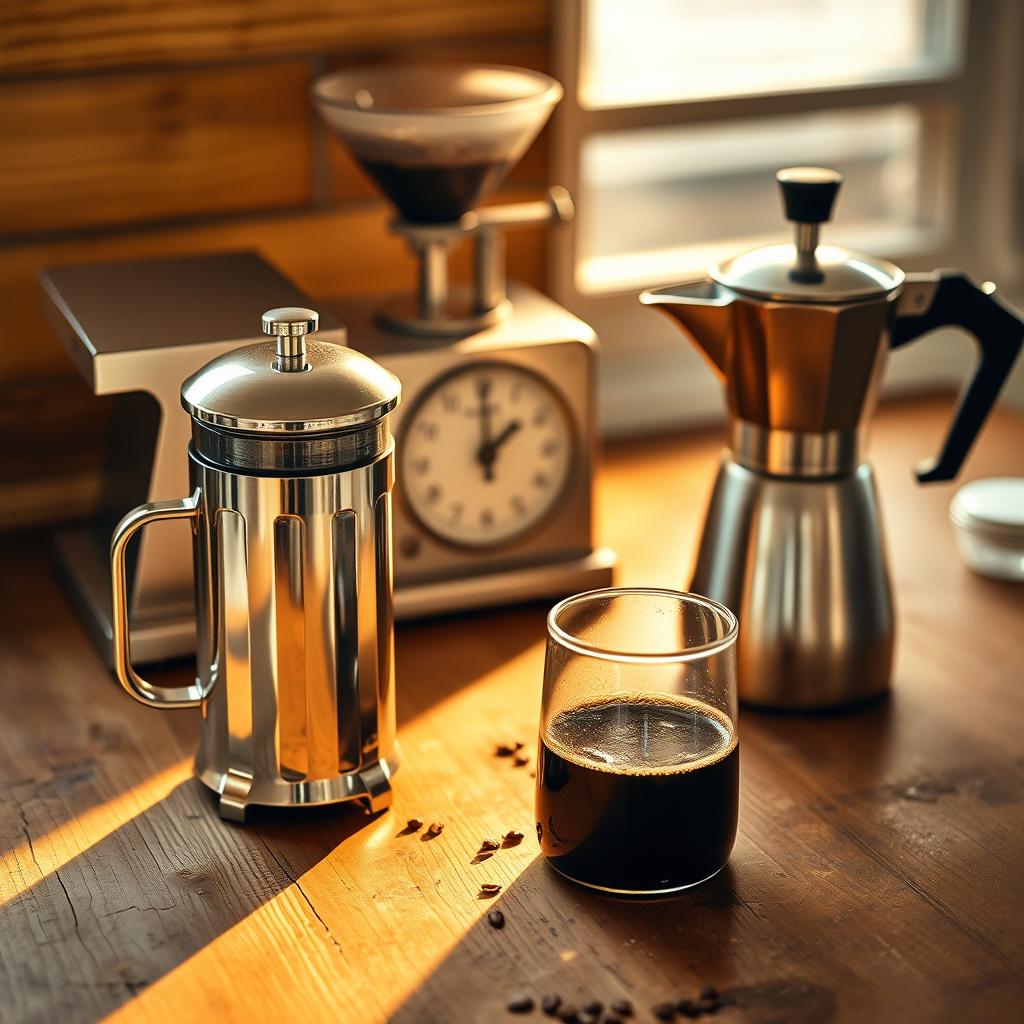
[344, 251]
[62, 35]
[127, 148]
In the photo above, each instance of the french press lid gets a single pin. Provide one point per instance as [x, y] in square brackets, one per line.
[291, 405]
[291, 385]
[807, 271]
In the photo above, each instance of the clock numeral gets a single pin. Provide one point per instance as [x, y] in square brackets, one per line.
[455, 511]
[486, 518]
[451, 401]
[429, 431]
[420, 465]
[550, 447]
[541, 416]
[518, 505]
[433, 494]
[541, 480]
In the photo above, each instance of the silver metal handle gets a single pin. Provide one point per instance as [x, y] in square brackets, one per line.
[134, 684]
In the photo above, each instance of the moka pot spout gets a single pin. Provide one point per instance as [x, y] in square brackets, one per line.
[704, 310]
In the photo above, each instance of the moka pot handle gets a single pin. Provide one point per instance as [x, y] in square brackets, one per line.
[134, 684]
[948, 298]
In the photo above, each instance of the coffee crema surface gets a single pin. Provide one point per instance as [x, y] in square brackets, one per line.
[638, 793]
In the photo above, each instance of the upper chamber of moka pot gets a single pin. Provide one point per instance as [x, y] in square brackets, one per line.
[797, 332]
[436, 138]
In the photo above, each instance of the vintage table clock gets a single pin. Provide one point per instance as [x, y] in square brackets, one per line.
[497, 434]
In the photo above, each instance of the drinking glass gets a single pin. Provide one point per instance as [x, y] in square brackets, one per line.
[638, 764]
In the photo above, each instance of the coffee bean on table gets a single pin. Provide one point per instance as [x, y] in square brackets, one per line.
[664, 1011]
[490, 844]
[550, 1003]
[495, 918]
[567, 1014]
[489, 889]
[688, 1008]
[504, 750]
[414, 824]
[520, 760]
[435, 828]
[512, 838]
[623, 1007]
[594, 1007]
[519, 1004]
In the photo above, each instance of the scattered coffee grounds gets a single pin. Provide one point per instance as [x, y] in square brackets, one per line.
[550, 1003]
[664, 1011]
[495, 918]
[514, 838]
[489, 889]
[504, 750]
[435, 828]
[520, 760]
[623, 1007]
[481, 857]
[413, 825]
[708, 992]
[688, 1008]
[489, 844]
[567, 1013]
[594, 1007]
[519, 1004]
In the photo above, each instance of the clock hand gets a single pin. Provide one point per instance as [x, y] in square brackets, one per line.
[488, 452]
[505, 435]
[483, 389]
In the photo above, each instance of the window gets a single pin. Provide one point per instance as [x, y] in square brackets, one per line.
[678, 113]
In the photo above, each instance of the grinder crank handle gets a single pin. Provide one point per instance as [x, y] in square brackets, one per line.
[134, 684]
[949, 298]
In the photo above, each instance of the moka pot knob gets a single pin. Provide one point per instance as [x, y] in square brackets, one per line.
[809, 193]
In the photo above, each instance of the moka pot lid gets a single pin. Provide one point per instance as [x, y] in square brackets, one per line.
[805, 271]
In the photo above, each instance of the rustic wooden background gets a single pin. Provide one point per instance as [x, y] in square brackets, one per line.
[137, 129]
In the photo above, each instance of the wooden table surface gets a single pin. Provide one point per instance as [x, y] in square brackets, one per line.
[877, 874]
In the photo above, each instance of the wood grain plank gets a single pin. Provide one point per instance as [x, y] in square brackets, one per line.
[876, 876]
[129, 148]
[62, 35]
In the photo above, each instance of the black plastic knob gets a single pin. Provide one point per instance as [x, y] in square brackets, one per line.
[808, 193]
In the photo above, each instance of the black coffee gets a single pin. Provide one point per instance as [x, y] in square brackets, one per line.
[435, 195]
[638, 795]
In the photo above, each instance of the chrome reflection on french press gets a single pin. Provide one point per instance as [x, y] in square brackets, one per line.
[291, 467]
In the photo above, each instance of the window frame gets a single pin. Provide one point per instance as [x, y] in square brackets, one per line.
[970, 134]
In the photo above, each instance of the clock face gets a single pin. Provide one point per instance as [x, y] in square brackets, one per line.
[485, 454]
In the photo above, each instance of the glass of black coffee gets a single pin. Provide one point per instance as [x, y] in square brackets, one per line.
[638, 770]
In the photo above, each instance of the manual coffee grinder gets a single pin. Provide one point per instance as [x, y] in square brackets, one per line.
[792, 542]
[498, 428]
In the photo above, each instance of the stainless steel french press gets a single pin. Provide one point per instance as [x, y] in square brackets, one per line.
[291, 469]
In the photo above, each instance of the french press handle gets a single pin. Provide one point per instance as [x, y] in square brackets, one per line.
[948, 298]
[134, 684]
